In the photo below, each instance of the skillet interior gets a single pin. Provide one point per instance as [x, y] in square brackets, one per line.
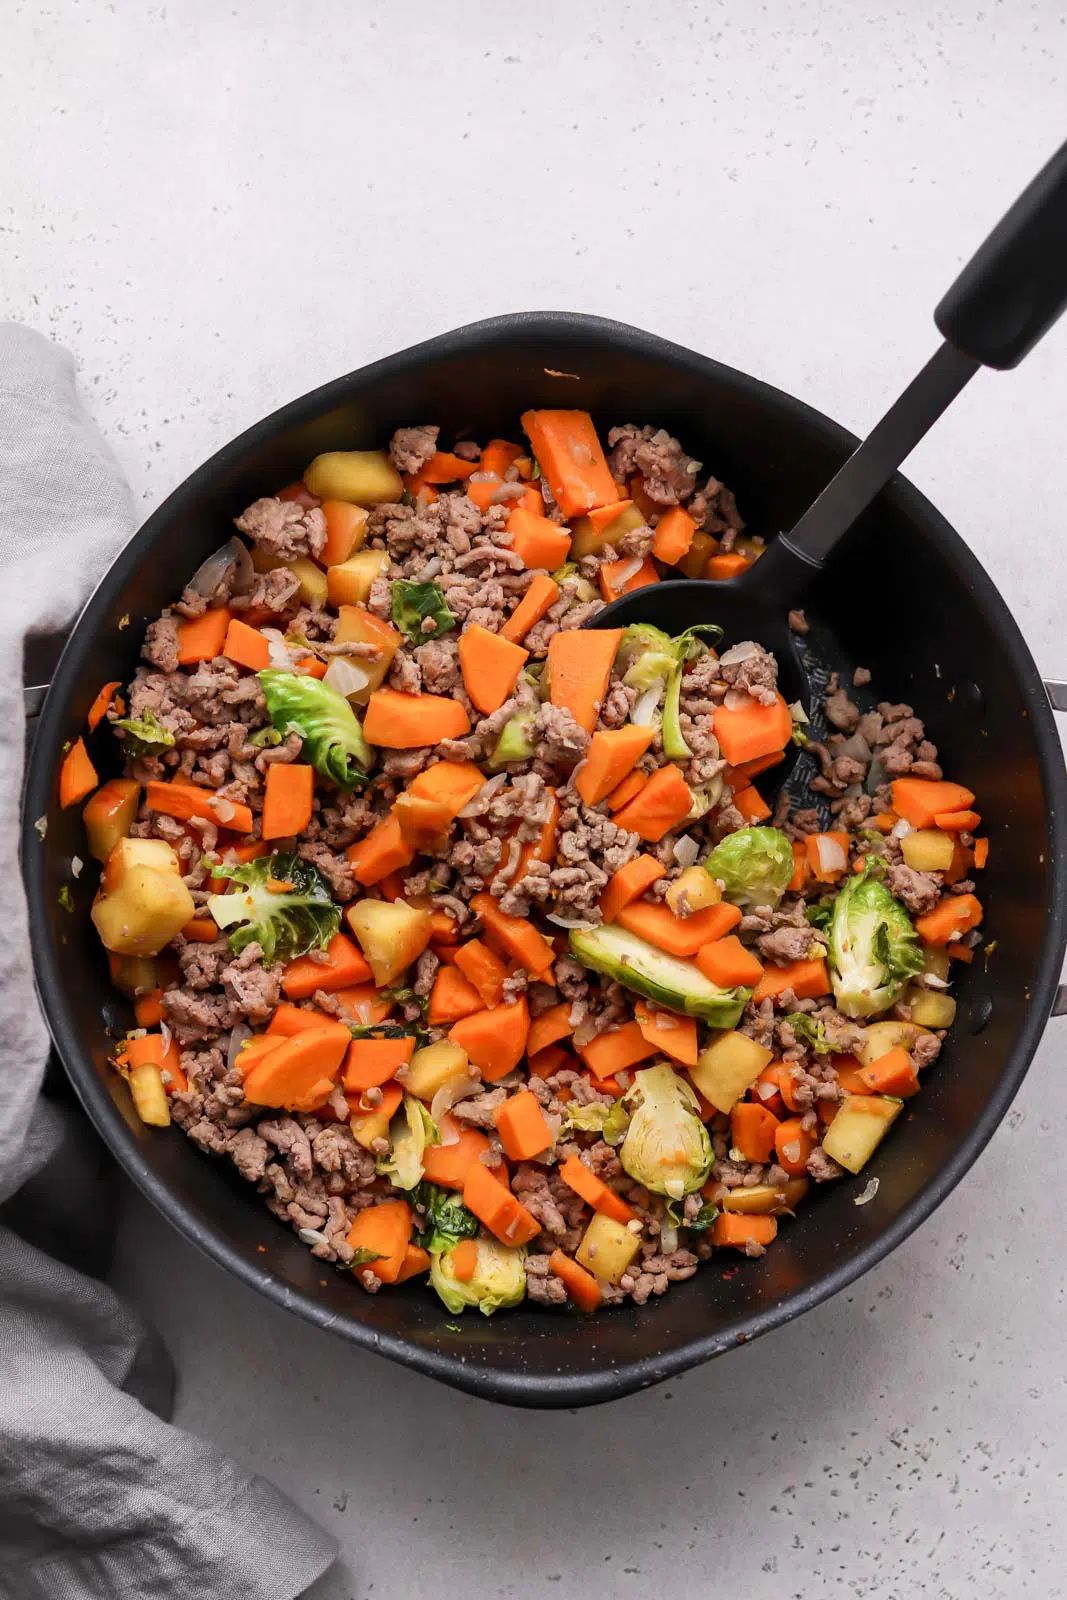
[903, 596]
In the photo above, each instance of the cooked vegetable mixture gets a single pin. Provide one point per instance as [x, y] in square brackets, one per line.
[463, 931]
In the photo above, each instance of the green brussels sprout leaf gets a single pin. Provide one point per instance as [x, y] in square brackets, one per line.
[143, 735]
[283, 905]
[446, 1219]
[333, 739]
[414, 603]
[700, 1223]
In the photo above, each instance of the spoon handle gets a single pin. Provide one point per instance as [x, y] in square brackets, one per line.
[1015, 285]
[1009, 294]
[873, 463]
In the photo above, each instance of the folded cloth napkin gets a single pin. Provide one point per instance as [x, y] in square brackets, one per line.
[99, 1495]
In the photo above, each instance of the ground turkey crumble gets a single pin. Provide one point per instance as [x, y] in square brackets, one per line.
[313, 1171]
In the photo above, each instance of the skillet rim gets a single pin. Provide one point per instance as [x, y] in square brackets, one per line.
[517, 1387]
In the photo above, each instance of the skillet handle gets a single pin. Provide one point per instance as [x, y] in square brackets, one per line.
[1015, 285]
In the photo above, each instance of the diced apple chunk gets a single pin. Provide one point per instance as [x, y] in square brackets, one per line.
[764, 1199]
[143, 902]
[391, 934]
[693, 890]
[356, 624]
[149, 1095]
[608, 1248]
[109, 815]
[861, 1123]
[144, 913]
[312, 579]
[349, 583]
[588, 540]
[369, 1127]
[128, 853]
[364, 477]
[930, 1008]
[927, 849]
[881, 1037]
[728, 1067]
[432, 1067]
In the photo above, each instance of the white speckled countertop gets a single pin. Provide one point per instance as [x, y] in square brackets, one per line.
[218, 206]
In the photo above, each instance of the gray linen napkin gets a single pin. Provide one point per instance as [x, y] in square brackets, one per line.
[98, 1495]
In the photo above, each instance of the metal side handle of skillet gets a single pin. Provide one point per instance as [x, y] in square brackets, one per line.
[33, 696]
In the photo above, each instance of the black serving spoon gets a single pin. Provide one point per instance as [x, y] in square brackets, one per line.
[1008, 296]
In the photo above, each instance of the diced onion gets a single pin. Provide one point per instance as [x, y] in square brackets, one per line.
[791, 1151]
[475, 807]
[311, 1236]
[832, 857]
[668, 1239]
[797, 712]
[876, 776]
[625, 1078]
[165, 1037]
[450, 1094]
[900, 828]
[643, 714]
[868, 1193]
[278, 652]
[430, 570]
[231, 562]
[624, 574]
[348, 675]
[224, 809]
[570, 922]
[76, 865]
[685, 850]
[854, 746]
[585, 1031]
[738, 653]
[737, 699]
[362, 1013]
[237, 1038]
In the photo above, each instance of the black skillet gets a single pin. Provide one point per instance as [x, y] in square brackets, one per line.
[974, 681]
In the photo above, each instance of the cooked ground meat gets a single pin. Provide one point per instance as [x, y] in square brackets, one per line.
[668, 474]
[920, 891]
[755, 674]
[842, 712]
[783, 945]
[161, 645]
[283, 528]
[411, 448]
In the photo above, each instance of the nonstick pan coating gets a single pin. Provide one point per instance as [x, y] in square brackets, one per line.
[903, 595]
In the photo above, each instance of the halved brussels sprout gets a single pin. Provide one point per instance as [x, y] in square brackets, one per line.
[754, 866]
[667, 1147]
[498, 1280]
[410, 1131]
[874, 948]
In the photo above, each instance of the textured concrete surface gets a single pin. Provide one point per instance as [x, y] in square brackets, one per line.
[219, 206]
